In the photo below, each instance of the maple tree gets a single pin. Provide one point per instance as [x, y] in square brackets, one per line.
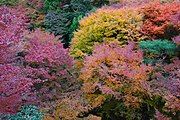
[14, 84]
[106, 25]
[116, 71]
[28, 60]
[158, 21]
[48, 61]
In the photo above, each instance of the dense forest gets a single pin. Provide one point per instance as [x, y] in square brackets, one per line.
[89, 60]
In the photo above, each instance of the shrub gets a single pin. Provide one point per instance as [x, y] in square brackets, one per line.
[8, 2]
[158, 50]
[62, 16]
[160, 116]
[174, 19]
[66, 21]
[44, 49]
[47, 60]
[165, 83]
[28, 64]
[72, 106]
[36, 19]
[53, 5]
[37, 4]
[106, 25]
[114, 71]
[12, 24]
[157, 20]
[130, 3]
[27, 113]
[98, 3]
[35, 14]
[15, 88]
[116, 109]
[158, 47]
[56, 24]
[36, 75]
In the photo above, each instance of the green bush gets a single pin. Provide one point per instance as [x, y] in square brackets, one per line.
[27, 113]
[116, 110]
[9, 2]
[51, 5]
[155, 50]
[66, 21]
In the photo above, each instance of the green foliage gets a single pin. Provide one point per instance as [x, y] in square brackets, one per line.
[156, 101]
[58, 24]
[9, 2]
[150, 61]
[28, 112]
[74, 25]
[98, 3]
[113, 109]
[155, 50]
[158, 47]
[51, 5]
[116, 110]
[62, 16]
[66, 21]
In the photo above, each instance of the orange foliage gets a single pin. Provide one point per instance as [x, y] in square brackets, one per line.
[116, 71]
[157, 20]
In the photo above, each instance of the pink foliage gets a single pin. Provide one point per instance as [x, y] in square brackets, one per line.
[111, 67]
[130, 3]
[166, 83]
[47, 61]
[175, 19]
[177, 40]
[45, 51]
[12, 25]
[30, 64]
[160, 116]
[15, 88]
[14, 84]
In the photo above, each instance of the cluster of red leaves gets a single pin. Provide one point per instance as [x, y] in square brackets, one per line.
[13, 82]
[45, 49]
[160, 20]
[48, 61]
[111, 69]
[12, 25]
[15, 88]
[31, 64]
